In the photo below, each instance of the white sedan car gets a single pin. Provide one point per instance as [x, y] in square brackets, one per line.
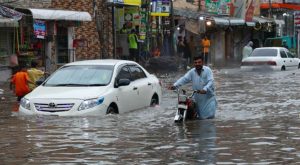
[94, 87]
[275, 58]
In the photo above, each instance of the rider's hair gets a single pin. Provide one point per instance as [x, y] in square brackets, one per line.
[198, 57]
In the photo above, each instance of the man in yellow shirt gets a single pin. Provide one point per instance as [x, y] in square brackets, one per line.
[205, 44]
[34, 74]
[133, 46]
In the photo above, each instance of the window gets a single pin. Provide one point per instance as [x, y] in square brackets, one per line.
[290, 55]
[137, 72]
[124, 73]
[85, 75]
[283, 54]
[264, 53]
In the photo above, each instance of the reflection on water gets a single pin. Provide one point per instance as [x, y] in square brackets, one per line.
[257, 123]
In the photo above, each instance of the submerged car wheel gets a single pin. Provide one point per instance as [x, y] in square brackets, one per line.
[112, 110]
[154, 101]
[283, 68]
[299, 66]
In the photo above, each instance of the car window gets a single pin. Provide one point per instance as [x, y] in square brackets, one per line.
[87, 75]
[283, 54]
[264, 53]
[137, 72]
[124, 73]
[290, 55]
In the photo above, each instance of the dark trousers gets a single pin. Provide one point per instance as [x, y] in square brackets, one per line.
[205, 58]
[20, 97]
[133, 54]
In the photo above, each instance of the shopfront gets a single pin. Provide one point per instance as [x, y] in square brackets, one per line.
[8, 36]
[149, 19]
[48, 36]
[8, 29]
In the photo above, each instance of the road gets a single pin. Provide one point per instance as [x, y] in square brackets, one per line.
[257, 122]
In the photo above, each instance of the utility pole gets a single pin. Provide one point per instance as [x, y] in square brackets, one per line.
[270, 8]
[172, 28]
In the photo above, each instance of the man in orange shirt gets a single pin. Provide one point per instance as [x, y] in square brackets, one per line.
[205, 44]
[20, 80]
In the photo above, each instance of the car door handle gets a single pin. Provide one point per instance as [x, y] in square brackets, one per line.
[135, 88]
[149, 83]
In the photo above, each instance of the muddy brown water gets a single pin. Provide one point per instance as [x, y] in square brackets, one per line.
[257, 122]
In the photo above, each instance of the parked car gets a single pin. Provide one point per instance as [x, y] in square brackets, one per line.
[275, 58]
[94, 87]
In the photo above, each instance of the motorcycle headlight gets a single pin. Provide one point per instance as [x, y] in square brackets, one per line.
[87, 104]
[25, 103]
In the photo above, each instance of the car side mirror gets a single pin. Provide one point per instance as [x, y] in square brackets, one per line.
[122, 82]
[40, 81]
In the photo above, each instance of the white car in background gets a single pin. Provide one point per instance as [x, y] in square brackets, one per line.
[274, 58]
[94, 87]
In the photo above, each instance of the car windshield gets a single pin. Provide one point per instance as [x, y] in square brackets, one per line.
[87, 75]
[264, 53]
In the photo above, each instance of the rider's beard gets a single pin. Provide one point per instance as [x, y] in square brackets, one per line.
[199, 68]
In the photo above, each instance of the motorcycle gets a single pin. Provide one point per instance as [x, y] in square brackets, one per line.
[185, 107]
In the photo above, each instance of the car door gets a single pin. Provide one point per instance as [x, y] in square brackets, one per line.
[284, 58]
[144, 85]
[293, 61]
[126, 95]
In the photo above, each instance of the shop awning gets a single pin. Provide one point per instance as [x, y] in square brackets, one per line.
[8, 22]
[262, 19]
[10, 13]
[236, 21]
[221, 21]
[279, 22]
[67, 15]
[252, 24]
[186, 13]
[192, 26]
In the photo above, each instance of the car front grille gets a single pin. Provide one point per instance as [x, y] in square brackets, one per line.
[51, 107]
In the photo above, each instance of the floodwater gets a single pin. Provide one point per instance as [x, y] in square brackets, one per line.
[257, 122]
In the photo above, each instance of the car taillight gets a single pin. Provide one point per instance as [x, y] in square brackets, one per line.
[245, 63]
[271, 63]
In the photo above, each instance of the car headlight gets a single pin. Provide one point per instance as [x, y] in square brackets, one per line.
[25, 103]
[87, 104]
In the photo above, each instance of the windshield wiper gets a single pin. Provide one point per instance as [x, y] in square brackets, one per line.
[63, 85]
[96, 84]
[74, 85]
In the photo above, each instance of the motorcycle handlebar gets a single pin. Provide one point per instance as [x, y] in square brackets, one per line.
[177, 90]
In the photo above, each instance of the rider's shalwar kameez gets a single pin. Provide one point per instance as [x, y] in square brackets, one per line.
[206, 104]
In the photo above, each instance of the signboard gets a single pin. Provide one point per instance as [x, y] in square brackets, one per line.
[39, 28]
[220, 7]
[132, 16]
[297, 20]
[160, 8]
[292, 1]
[126, 2]
[249, 10]
[246, 9]
[273, 1]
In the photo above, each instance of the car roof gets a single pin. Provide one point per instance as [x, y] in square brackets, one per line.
[101, 62]
[270, 48]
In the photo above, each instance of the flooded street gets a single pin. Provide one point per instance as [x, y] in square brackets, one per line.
[257, 122]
